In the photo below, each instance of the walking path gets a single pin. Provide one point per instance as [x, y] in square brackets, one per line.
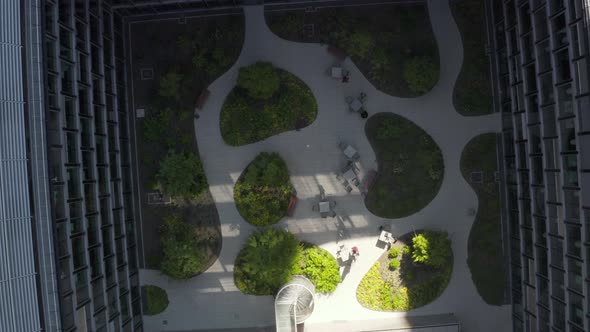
[211, 299]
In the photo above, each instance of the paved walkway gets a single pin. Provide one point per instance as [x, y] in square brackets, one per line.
[211, 300]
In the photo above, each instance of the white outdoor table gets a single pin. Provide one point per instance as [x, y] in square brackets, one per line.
[349, 175]
[385, 236]
[324, 207]
[349, 152]
[356, 105]
[337, 72]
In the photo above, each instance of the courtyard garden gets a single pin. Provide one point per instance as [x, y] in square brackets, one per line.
[154, 300]
[263, 191]
[168, 79]
[272, 256]
[267, 101]
[393, 45]
[473, 91]
[410, 169]
[484, 248]
[414, 272]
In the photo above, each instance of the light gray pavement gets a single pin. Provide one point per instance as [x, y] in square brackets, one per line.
[211, 299]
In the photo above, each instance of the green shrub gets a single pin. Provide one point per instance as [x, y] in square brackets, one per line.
[155, 300]
[181, 175]
[321, 268]
[170, 85]
[261, 80]
[267, 262]
[263, 191]
[155, 124]
[246, 120]
[420, 247]
[431, 248]
[393, 252]
[183, 258]
[394, 264]
[361, 43]
[406, 250]
[421, 74]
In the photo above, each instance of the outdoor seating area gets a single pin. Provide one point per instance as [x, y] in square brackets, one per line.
[325, 206]
[357, 104]
[339, 73]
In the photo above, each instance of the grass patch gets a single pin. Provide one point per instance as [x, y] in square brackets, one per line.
[408, 285]
[256, 110]
[263, 191]
[271, 257]
[410, 166]
[485, 257]
[155, 300]
[473, 92]
[381, 40]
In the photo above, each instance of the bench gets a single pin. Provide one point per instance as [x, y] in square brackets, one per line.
[292, 205]
[202, 99]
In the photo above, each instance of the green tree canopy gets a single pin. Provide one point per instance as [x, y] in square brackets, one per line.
[431, 248]
[261, 80]
[181, 175]
[361, 44]
[263, 191]
[170, 85]
[183, 257]
[421, 74]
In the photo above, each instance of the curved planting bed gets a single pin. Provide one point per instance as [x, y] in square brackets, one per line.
[393, 45]
[271, 257]
[267, 101]
[264, 189]
[155, 300]
[484, 247]
[414, 272]
[410, 166]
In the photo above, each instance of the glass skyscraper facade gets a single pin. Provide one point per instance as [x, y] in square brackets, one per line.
[541, 70]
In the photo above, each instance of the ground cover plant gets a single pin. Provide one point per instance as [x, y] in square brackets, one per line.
[473, 91]
[388, 43]
[267, 101]
[271, 257]
[154, 299]
[183, 59]
[410, 166]
[424, 263]
[263, 191]
[484, 247]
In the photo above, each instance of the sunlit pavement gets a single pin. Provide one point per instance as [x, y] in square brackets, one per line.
[211, 299]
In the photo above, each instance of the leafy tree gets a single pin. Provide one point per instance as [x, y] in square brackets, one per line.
[421, 74]
[182, 256]
[421, 246]
[263, 191]
[155, 124]
[431, 248]
[181, 175]
[261, 80]
[361, 44]
[321, 268]
[267, 262]
[170, 85]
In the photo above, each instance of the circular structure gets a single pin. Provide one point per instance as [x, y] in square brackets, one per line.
[294, 302]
